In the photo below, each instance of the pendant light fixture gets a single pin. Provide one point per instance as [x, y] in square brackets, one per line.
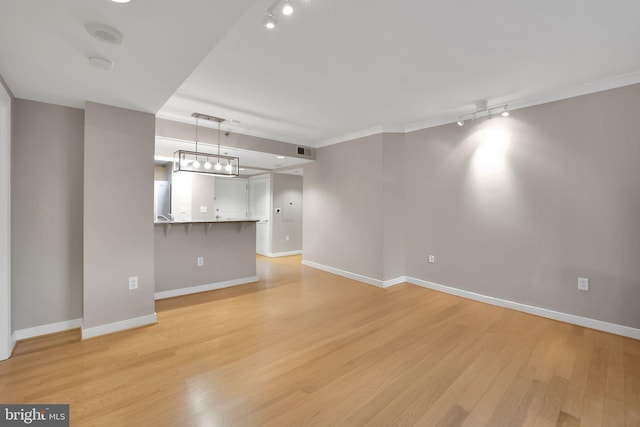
[189, 161]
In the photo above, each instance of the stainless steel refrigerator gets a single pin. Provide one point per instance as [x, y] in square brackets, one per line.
[162, 199]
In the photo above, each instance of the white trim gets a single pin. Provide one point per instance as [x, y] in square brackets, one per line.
[204, 288]
[51, 328]
[122, 325]
[613, 328]
[558, 95]
[5, 224]
[354, 276]
[393, 282]
[281, 254]
[350, 136]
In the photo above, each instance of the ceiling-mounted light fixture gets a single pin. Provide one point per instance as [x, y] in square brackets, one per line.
[287, 8]
[189, 161]
[484, 111]
[270, 21]
[271, 18]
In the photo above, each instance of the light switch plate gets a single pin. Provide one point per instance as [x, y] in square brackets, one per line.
[203, 209]
[432, 259]
[133, 283]
[200, 261]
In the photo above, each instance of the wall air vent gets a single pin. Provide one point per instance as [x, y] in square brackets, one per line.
[304, 151]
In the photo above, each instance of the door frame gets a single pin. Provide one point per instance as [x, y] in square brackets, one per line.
[7, 340]
[266, 250]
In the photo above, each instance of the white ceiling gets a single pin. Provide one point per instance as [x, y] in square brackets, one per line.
[337, 69]
[44, 48]
[334, 70]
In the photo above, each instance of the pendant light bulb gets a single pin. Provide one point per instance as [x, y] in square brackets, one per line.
[207, 164]
[218, 166]
[196, 164]
[229, 168]
[287, 8]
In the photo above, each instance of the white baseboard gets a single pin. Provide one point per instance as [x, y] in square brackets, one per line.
[204, 288]
[359, 277]
[393, 282]
[122, 325]
[600, 325]
[51, 328]
[281, 254]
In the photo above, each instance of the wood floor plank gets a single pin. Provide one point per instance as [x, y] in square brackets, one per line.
[304, 347]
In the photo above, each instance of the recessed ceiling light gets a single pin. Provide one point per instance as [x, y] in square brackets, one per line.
[104, 33]
[280, 157]
[101, 63]
[241, 169]
[121, 1]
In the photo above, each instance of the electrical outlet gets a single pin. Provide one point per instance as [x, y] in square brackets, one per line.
[583, 284]
[286, 237]
[183, 209]
[200, 261]
[133, 283]
[432, 259]
[203, 209]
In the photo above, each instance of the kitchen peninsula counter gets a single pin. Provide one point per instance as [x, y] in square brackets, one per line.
[226, 249]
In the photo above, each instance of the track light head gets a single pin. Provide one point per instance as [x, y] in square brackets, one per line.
[287, 8]
[270, 21]
[505, 112]
[460, 122]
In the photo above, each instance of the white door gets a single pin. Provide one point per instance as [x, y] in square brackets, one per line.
[231, 200]
[5, 225]
[260, 210]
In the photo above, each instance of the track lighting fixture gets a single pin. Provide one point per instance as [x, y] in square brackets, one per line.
[270, 21]
[484, 111]
[287, 8]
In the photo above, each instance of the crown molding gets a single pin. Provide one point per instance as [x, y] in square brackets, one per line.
[551, 96]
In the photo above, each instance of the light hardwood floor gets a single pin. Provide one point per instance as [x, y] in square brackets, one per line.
[304, 347]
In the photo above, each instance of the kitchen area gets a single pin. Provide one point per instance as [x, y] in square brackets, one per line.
[217, 205]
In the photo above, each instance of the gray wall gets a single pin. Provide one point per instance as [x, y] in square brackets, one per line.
[118, 231]
[513, 208]
[229, 251]
[562, 202]
[46, 205]
[287, 195]
[343, 199]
